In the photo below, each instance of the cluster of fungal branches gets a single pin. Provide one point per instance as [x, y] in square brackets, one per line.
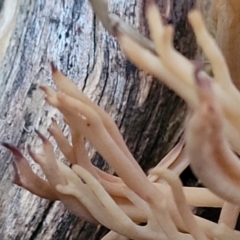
[134, 205]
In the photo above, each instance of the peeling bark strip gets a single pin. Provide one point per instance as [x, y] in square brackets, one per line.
[8, 13]
[148, 114]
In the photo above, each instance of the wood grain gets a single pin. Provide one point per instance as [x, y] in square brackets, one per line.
[149, 115]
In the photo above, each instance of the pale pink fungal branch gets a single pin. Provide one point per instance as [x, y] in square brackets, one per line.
[176, 160]
[212, 52]
[62, 142]
[179, 77]
[114, 236]
[207, 124]
[162, 36]
[222, 232]
[103, 189]
[66, 86]
[122, 202]
[229, 215]
[24, 172]
[146, 60]
[92, 128]
[53, 173]
[179, 197]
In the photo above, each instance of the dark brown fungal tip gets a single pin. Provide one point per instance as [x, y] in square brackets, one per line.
[43, 138]
[13, 149]
[201, 81]
[150, 3]
[43, 88]
[53, 67]
[30, 150]
[115, 30]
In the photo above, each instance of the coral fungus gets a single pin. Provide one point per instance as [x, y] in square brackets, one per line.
[158, 199]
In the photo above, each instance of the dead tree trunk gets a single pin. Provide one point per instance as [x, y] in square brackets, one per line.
[148, 114]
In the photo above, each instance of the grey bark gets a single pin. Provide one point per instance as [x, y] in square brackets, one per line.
[149, 115]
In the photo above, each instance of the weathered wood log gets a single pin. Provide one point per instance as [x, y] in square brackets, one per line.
[149, 115]
[226, 17]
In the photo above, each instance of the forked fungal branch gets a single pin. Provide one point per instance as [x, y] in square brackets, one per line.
[121, 203]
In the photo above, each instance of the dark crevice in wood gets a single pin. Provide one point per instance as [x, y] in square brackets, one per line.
[94, 46]
[39, 227]
[104, 75]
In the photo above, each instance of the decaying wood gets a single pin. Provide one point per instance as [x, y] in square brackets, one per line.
[149, 115]
[225, 14]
